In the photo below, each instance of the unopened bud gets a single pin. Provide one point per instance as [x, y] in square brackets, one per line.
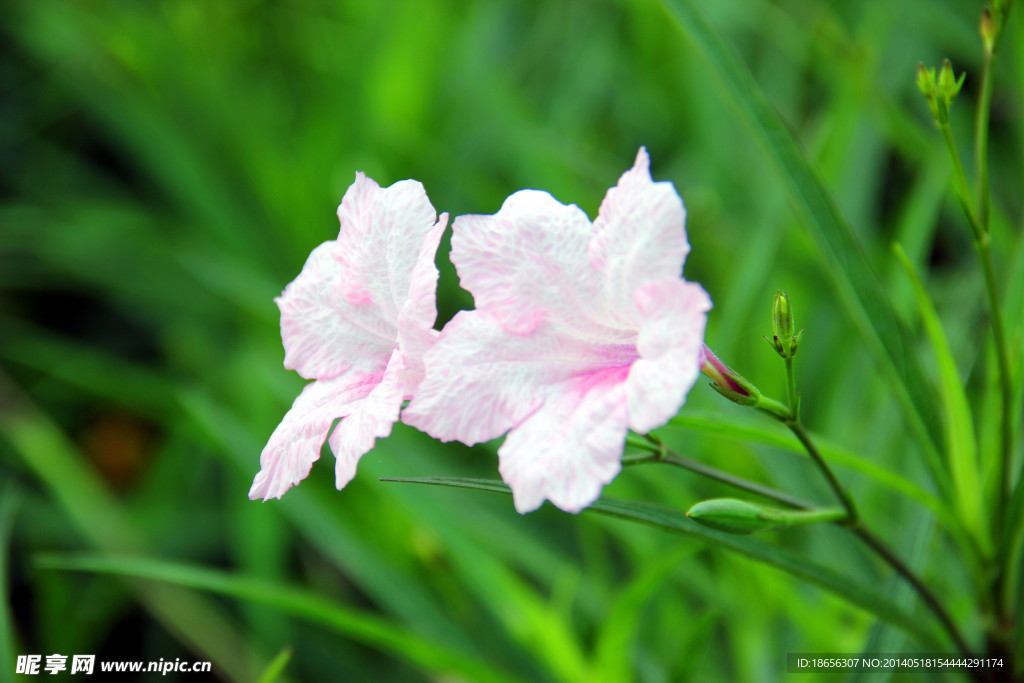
[735, 516]
[949, 85]
[988, 31]
[727, 381]
[782, 316]
[783, 340]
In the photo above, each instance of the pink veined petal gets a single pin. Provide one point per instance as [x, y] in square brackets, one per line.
[323, 334]
[295, 444]
[378, 245]
[670, 345]
[568, 450]
[481, 380]
[528, 264]
[640, 235]
[417, 315]
[370, 419]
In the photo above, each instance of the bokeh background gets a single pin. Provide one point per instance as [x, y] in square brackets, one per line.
[167, 166]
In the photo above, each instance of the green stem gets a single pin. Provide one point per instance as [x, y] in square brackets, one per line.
[856, 525]
[981, 138]
[960, 185]
[907, 573]
[660, 453]
[794, 404]
[844, 498]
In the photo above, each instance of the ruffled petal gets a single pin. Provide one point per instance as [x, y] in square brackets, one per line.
[528, 264]
[295, 444]
[416, 333]
[674, 316]
[325, 335]
[370, 419]
[568, 450]
[640, 236]
[481, 380]
[382, 230]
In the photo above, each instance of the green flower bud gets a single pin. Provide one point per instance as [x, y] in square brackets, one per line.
[988, 31]
[782, 317]
[735, 516]
[948, 85]
[925, 80]
[783, 340]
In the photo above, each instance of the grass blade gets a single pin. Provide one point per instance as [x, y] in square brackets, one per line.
[676, 521]
[351, 623]
[959, 425]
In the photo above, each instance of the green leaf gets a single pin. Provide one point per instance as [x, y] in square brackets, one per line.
[276, 666]
[959, 425]
[861, 292]
[613, 648]
[676, 521]
[358, 625]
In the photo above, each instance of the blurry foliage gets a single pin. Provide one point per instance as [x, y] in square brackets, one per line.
[165, 168]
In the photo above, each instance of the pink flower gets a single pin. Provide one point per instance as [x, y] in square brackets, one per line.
[357, 319]
[581, 332]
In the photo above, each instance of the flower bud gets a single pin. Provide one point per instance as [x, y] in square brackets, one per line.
[783, 340]
[727, 381]
[948, 85]
[735, 516]
[782, 316]
[988, 31]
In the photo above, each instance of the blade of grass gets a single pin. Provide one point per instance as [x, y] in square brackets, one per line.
[857, 285]
[613, 656]
[676, 521]
[959, 425]
[276, 666]
[351, 623]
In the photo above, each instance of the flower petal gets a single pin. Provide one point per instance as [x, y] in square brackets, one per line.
[528, 264]
[325, 335]
[295, 444]
[674, 314]
[416, 318]
[379, 243]
[568, 450]
[370, 418]
[640, 235]
[481, 380]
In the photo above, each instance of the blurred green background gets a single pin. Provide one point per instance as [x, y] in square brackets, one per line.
[167, 166]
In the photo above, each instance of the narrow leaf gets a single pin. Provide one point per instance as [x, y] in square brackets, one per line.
[352, 623]
[959, 425]
[675, 521]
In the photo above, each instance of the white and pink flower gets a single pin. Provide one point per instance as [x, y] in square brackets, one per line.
[358, 320]
[581, 332]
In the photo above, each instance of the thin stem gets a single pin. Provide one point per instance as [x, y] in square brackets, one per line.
[794, 406]
[856, 525]
[660, 453]
[963, 192]
[907, 573]
[981, 138]
[844, 498]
